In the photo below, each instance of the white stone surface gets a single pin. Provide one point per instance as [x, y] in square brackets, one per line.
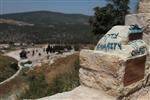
[116, 41]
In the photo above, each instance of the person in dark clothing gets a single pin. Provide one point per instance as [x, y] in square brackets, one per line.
[33, 53]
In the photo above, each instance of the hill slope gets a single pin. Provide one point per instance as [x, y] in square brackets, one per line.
[45, 27]
[8, 67]
[45, 18]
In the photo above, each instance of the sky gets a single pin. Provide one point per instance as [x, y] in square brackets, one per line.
[65, 6]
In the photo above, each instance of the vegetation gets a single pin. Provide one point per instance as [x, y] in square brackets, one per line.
[48, 80]
[106, 17]
[48, 27]
[8, 67]
[65, 82]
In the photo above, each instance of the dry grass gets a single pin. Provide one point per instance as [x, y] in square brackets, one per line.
[61, 66]
[11, 87]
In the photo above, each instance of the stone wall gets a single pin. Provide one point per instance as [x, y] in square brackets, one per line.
[144, 6]
[142, 19]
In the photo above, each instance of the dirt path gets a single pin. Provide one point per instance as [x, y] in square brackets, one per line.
[37, 59]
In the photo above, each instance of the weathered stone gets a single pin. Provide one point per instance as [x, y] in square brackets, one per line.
[111, 72]
[98, 61]
[123, 40]
[118, 71]
[143, 20]
[98, 80]
[144, 6]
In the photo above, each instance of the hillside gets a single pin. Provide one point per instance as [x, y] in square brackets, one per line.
[45, 18]
[48, 79]
[45, 26]
[8, 67]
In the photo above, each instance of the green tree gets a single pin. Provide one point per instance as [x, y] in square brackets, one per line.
[106, 17]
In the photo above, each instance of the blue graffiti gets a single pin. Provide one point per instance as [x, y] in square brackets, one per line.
[135, 29]
[112, 36]
[109, 46]
[139, 51]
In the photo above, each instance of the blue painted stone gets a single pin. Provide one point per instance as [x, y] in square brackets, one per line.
[135, 29]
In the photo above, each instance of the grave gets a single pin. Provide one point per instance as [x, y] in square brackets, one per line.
[118, 65]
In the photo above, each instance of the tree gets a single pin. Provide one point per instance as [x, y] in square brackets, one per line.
[106, 17]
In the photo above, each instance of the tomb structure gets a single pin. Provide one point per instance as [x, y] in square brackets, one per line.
[118, 65]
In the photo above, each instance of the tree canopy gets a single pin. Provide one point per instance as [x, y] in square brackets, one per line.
[106, 17]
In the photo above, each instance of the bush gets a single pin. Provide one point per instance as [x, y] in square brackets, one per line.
[37, 87]
[28, 62]
[14, 66]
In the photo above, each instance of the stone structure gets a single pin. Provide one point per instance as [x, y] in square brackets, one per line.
[142, 19]
[144, 6]
[118, 64]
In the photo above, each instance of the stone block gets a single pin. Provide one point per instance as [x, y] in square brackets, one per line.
[119, 65]
[115, 74]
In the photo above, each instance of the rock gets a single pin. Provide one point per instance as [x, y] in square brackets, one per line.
[144, 97]
[114, 74]
[123, 40]
[142, 94]
[117, 71]
[144, 6]
[143, 20]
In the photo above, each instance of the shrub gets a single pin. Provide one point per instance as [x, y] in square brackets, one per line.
[14, 66]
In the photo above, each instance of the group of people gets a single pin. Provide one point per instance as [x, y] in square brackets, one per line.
[58, 48]
[23, 53]
[49, 49]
